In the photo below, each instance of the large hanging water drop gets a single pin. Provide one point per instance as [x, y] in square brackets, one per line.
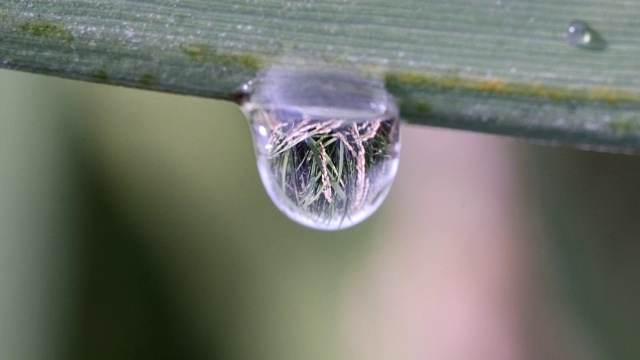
[327, 144]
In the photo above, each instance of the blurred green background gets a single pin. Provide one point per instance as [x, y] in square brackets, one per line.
[133, 225]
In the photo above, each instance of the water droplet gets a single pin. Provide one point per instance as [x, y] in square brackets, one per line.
[327, 144]
[580, 34]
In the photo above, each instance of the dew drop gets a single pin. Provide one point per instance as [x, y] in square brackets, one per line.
[327, 144]
[580, 34]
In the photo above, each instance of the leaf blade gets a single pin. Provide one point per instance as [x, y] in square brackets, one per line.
[498, 67]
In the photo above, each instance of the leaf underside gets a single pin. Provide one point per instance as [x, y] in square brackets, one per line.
[495, 66]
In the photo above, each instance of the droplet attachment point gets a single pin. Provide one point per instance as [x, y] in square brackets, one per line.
[580, 34]
[327, 144]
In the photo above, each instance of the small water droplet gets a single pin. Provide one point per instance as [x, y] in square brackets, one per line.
[580, 33]
[327, 144]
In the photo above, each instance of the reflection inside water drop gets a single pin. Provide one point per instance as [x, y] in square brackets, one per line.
[327, 144]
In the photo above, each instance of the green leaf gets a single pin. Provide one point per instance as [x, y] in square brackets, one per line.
[493, 66]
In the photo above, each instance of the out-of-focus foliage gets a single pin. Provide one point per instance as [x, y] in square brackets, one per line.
[134, 224]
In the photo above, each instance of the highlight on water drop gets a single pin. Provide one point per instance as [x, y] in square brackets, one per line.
[327, 144]
[579, 33]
